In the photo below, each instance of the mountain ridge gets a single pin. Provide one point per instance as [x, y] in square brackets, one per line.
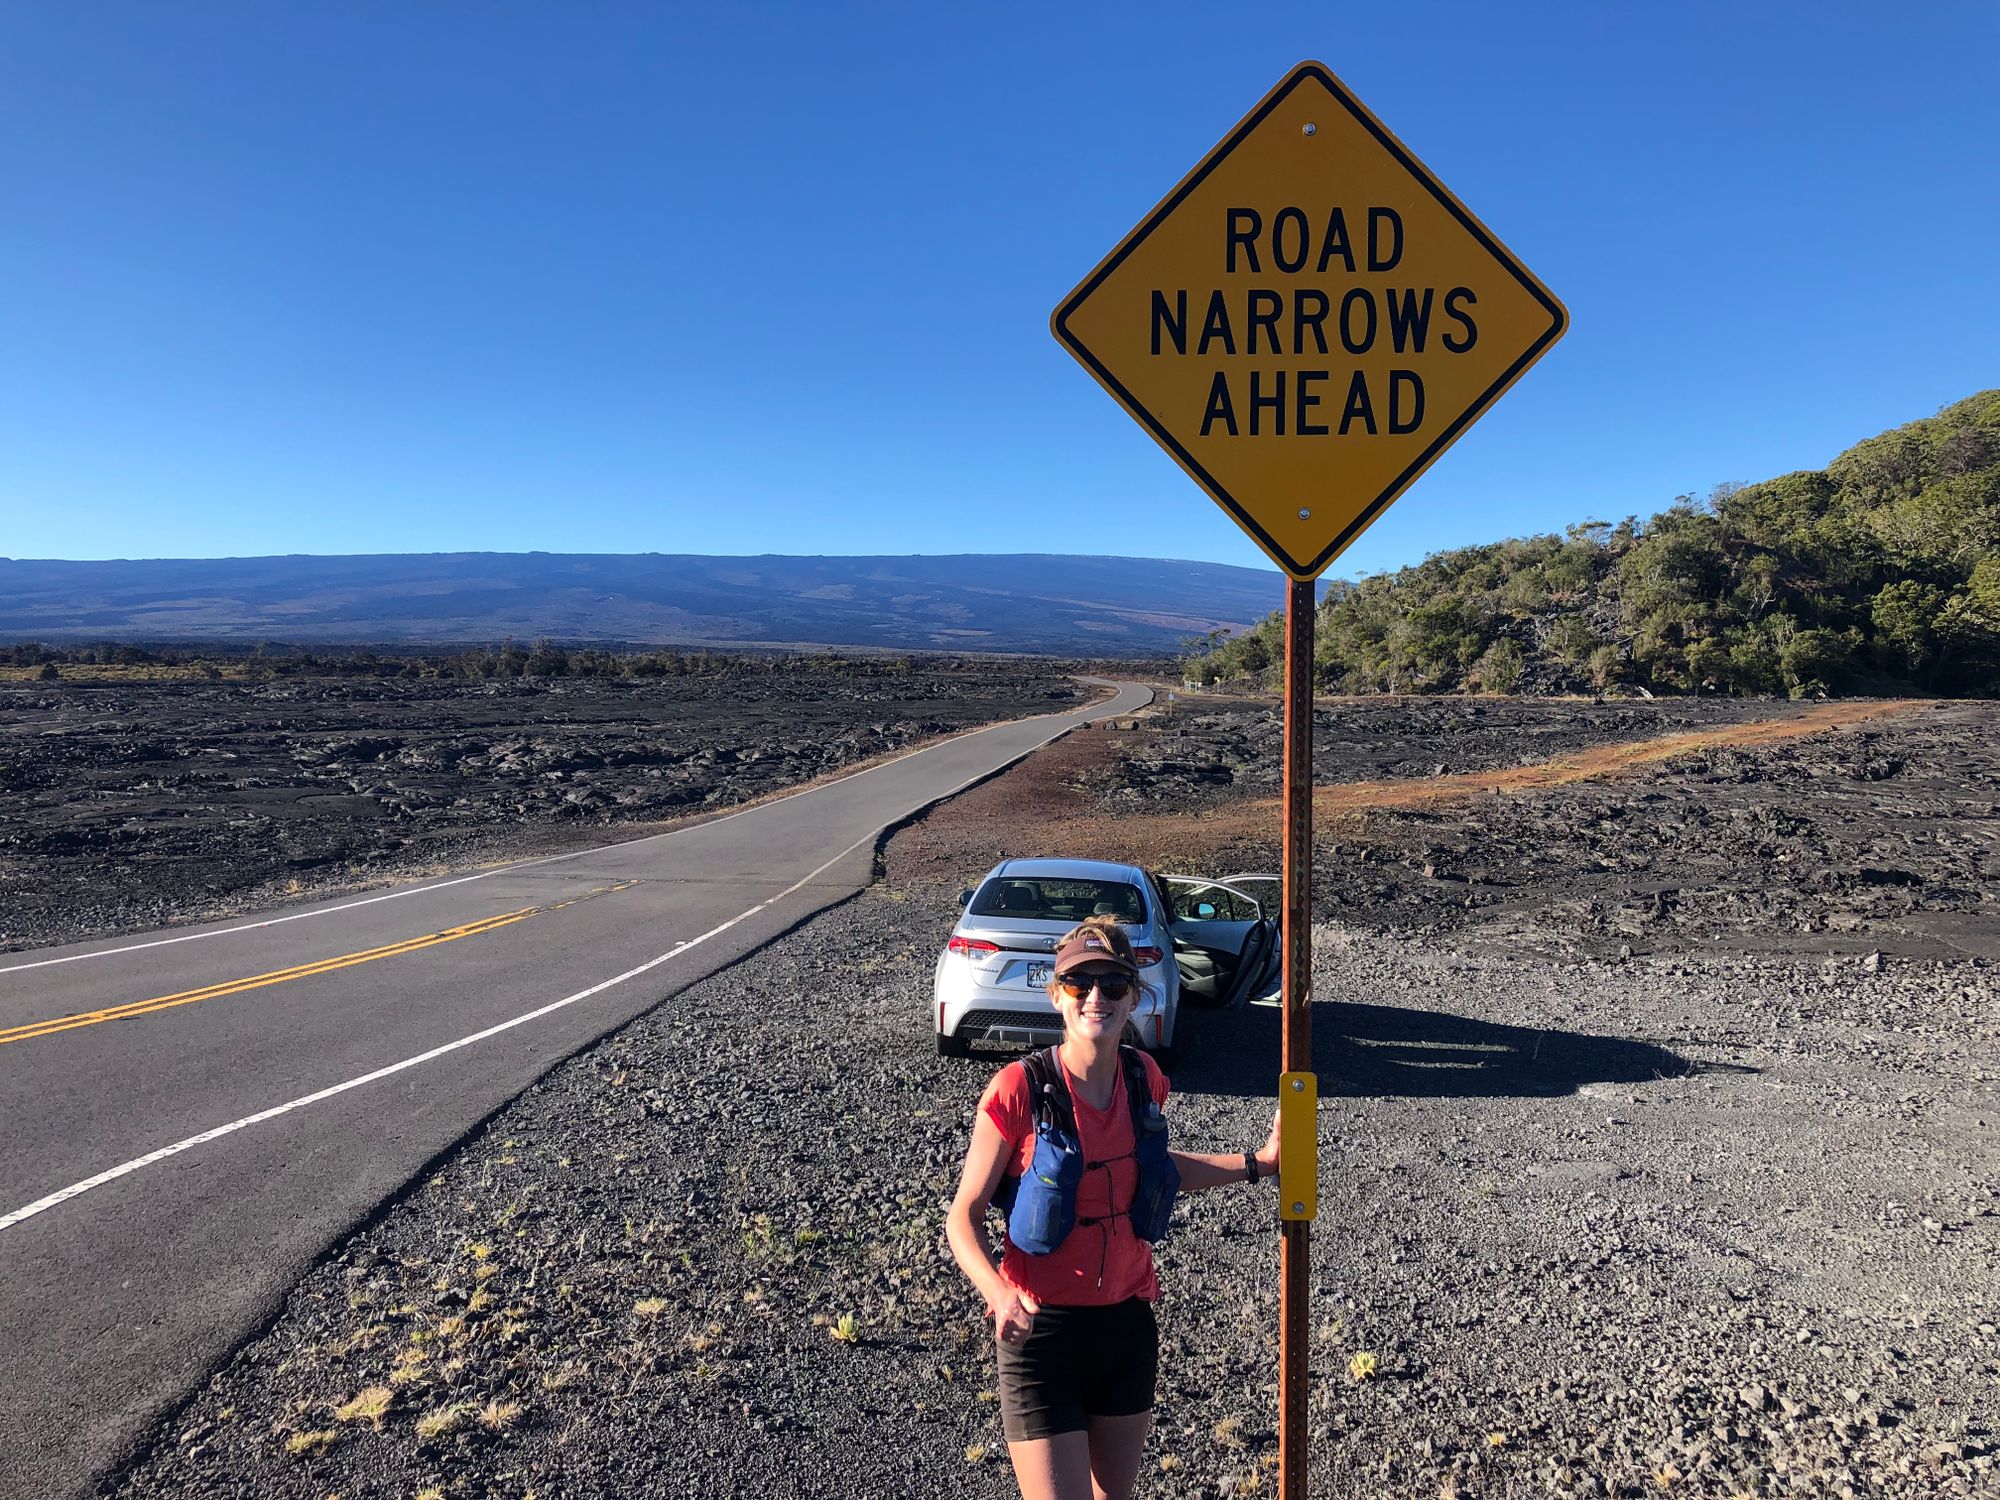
[1034, 602]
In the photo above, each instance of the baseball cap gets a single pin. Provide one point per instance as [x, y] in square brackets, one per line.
[1097, 945]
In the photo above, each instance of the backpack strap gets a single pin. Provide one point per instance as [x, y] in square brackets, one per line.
[1138, 1088]
[1048, 1091]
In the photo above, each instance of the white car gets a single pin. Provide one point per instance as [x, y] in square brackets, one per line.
[1208, 941]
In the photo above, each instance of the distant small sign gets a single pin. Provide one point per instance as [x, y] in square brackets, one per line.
[1308, 320]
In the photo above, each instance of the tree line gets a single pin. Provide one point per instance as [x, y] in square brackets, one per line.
[1879, 574]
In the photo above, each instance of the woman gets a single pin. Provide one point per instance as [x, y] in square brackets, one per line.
[1078, 1347]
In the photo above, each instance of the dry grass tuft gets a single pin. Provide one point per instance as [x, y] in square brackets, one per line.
[568, 1375]
[497, 1415]
[370, 1404]
[361, 1338]
[443, 1422]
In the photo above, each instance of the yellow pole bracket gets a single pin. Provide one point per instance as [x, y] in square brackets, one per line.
[1298, 1146]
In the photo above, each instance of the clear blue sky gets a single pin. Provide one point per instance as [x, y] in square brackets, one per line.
[359, 277]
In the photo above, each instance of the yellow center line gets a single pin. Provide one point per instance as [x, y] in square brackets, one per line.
[28, 1031]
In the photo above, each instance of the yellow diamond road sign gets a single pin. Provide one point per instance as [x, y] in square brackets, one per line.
[1308, 320]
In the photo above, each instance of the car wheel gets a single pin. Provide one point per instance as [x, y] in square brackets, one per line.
[953, 1046]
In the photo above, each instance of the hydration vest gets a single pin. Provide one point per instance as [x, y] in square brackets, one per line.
[1041, 1203]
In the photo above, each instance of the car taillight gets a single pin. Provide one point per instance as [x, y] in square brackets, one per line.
[971, 947]
[1147, 957]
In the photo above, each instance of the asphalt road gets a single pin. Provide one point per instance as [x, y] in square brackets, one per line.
[191, 1118]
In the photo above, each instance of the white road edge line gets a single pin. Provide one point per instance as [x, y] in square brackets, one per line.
[547, 859]
[125, 1169]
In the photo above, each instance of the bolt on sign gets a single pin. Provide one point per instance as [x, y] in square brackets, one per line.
[1308, 320]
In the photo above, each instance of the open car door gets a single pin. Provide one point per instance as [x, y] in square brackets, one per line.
[1225, 947]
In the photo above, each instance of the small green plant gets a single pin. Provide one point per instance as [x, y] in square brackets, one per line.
[1363, 1366]
[309, 1442]
[651, 1307]
[847, 1329]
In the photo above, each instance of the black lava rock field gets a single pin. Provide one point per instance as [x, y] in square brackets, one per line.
[1778, 827]
[133, 804]
[1708, 1217]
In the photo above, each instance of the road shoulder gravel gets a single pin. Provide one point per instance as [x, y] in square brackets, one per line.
[1759, 1240]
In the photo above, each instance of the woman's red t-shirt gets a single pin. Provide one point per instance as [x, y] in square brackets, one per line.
[1097, 1264]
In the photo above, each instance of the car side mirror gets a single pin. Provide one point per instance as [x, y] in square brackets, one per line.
[965, 898]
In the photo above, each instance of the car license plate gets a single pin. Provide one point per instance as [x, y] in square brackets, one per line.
[1038, 976]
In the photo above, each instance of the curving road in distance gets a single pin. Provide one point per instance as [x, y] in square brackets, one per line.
[191, 1118]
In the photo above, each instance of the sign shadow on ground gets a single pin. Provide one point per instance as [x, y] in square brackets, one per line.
[1374, 1051]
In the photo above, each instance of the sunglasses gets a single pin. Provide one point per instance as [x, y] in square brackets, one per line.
[1113, 987]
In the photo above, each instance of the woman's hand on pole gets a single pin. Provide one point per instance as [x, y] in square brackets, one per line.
[1013, 1315]
[1267, 1154]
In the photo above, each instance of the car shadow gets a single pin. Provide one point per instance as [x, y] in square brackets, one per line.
[1372, 1051]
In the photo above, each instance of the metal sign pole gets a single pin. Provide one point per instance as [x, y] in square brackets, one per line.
[1137, 324]
[1299, 1197]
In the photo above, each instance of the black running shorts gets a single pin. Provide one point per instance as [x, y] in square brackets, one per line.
[1077, 1363]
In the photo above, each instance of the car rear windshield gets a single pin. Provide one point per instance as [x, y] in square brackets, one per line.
[1058, 900]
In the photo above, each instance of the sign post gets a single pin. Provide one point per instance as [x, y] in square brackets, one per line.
[1298, 1185]
[1305, 323]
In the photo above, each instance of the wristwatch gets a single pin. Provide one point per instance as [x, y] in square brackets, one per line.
[1251, 1171]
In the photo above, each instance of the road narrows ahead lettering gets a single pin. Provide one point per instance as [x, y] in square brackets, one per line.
[1308, 320]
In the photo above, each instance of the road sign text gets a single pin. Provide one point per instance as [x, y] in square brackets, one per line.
[1308, 320]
